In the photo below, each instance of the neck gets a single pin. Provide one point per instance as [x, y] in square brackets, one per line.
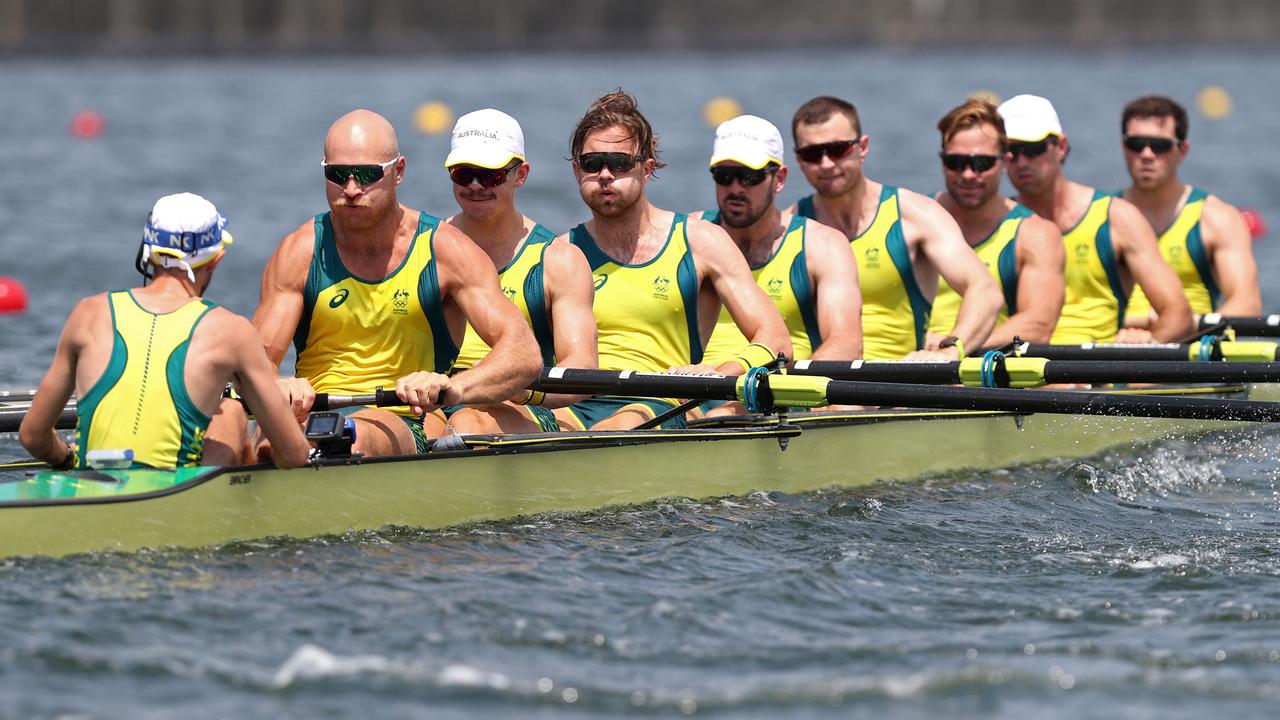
[498, 235]
[172, 284]
[1047, 203]
[758, 240]
[377, 237]
[977, 223]
[1163, 196]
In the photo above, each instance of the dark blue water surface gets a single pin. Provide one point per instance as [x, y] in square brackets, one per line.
[1143, 584]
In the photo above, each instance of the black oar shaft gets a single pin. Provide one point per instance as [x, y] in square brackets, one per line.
[1169, 352]
[1264, 326]
[1049, 401]
[633, 384]
[1054, 371]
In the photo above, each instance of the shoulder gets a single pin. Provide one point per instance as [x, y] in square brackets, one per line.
[1034, 227]
[564, 258]
[698, 215]
[1223, 221]
[298, 247]
[230, 328]
[927, 216]
[703, 233]
[818, 235]
[1126, 217]
[89, 309]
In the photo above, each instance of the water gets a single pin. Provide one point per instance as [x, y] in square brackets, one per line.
[1138, 584]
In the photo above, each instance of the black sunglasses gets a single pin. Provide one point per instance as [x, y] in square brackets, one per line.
[488, 178]
[364, 174]
[1030, 149]
[813, 154]
[956, 162]
[725, 175]
[1158, 145]
[617, 162]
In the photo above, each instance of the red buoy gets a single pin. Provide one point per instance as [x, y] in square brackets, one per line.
[13, 297]
[1252, 218]
[87, 124]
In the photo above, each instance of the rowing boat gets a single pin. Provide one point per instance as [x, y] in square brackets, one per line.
[496, 478]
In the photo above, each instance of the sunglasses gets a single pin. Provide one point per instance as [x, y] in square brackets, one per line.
[617, 162]
[364, 174]
[813, 154]
[1158, 145]
[746, 176]
[1030, 149]
[488, 178]
[956, 162]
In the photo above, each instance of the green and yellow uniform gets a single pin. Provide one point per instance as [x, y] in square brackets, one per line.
[523, 282]
[646, 315]
[140, 402]
[1095, 297]
[1182, 246]
[356, 335]
[895, 313]
[784, 277]
[999, 251]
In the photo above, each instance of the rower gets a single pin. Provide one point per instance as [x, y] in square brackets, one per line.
[1205, 240]
[1021, 250]
[376, 294]
[548, 280]
[660, 277]
[805, 268]
[902, 241]
[149, 364]
[1109, 245]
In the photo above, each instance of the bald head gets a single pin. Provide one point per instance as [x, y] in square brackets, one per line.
[361, 136]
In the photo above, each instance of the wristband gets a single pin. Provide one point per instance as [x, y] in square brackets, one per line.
[532, 397]
[68, 461]
[952, 341]
[754, 355]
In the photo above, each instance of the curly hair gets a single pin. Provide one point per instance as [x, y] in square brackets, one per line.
[617, 109]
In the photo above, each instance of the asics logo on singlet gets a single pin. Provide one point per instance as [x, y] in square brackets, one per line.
[601, 279]
[339, 298]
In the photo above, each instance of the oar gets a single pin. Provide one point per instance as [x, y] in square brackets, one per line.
[1021, 372]
[1214, 349]
[11, 417]
[25, 464]
[1262, 326]
[760, 391]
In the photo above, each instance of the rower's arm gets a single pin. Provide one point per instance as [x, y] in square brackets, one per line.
[943, 244]
[37, 432]
[1139, 251]
[722, 263]
[1041, 259]
[255, 378]
[468, 278]
[834, 275]
[281, 293]
[568, 281]
[1230, 247]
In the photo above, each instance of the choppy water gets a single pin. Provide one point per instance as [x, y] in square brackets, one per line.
[1140, 584]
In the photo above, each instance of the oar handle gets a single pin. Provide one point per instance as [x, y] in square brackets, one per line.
[636, 384]
[1263, 326]
[1034, 372]
[378, 398]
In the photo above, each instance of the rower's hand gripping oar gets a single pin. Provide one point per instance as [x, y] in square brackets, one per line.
[762, 391]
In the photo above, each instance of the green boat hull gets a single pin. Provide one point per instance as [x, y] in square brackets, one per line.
[57, 514]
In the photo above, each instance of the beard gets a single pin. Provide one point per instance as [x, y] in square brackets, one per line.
[741, 217]
[613, 205]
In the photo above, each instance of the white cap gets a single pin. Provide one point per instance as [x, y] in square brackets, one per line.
[747, 139]
[1029, 118]
[184, 231]
[486, 138]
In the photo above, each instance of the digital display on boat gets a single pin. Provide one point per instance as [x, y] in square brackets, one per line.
[323, 425]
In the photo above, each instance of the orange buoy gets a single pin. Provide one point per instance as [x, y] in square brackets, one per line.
[1252, 218]
[87, 124]
[13, 297]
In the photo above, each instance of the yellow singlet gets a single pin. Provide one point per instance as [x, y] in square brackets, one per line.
[356, 335]
[140, 402]
[1095, 297]
[522, 282]
[646, 314]
[999, 251]
[895, 313]
[784, 277]
[1183, 248]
